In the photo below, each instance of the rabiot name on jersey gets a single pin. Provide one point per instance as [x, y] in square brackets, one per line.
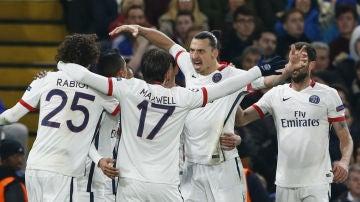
[72, 84]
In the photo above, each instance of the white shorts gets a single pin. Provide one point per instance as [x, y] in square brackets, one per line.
[318, 193]
[224, 182]
[138, 191]
[50, 186]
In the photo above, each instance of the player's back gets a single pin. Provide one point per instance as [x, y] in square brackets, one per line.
[152, 119]
[69, 112]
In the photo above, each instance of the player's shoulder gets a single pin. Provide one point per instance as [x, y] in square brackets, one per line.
[325, 89]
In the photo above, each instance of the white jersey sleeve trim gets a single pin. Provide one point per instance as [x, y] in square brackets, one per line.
[258, 109]
[338, 119]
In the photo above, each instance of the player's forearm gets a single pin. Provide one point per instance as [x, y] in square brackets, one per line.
[346, 143]
[244, 117]
[346, 148]
[274, 80]
[94, 154]
[13, 114]
[83, 75]
[156, 37]
[232, 84]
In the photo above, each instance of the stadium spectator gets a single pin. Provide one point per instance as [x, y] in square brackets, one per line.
[293, 23]
[241, 35]
[346, 22]
[166, 21]
[12, 187]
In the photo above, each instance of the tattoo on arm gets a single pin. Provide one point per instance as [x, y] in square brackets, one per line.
[343, 124]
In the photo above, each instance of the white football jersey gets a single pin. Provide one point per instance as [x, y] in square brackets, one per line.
[68, 115]
[152, 120]
[302, 121]
[104, 140]
[204, 126]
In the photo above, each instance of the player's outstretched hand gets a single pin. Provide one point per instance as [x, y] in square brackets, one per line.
[134, 29]
[106, 166]
[297, 59]
[271, 66]
[229, 141]
[340, 171]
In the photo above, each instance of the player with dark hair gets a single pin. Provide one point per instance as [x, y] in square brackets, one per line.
[69, 112]
[303, 112]
[212, 172]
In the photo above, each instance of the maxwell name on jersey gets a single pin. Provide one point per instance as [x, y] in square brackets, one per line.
[156, 99]
[73, 84]
[299, 121]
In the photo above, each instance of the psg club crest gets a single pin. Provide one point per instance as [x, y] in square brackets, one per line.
[217, 77]
[314, 99]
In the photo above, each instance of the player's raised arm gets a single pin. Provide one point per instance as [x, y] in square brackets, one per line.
[237, 82]
[156, 37]
[83, 75]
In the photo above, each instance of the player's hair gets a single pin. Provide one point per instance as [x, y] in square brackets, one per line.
[79, 49]
[110, 63]
[154, 65]
[208, 35]
[310, 50]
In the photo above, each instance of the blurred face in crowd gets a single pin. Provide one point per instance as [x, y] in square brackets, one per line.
[249, 60]
[294, 25]
[203, 56]
[353, 183]
[233, 4]
[303, 5]
[14, 161]
[267, 42]
[322, 60]
[136, 16]
[244, 26]
[183, 24]
[186, 5]
[346, 23]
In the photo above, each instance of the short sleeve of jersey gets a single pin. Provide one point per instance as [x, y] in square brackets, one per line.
[117, 86]
[182, 58]
[336, 109]
[32, 95]
[110, 104]
[264, 105]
